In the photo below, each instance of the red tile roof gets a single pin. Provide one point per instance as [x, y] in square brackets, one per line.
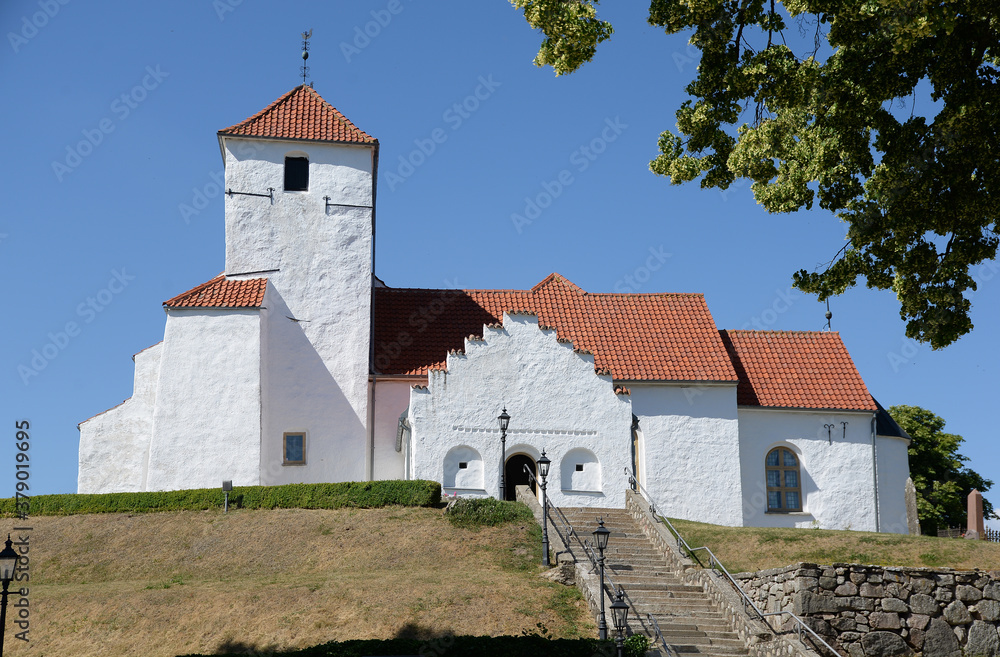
[301, 114]
[796, 369]
[221, 292]
[641, 337]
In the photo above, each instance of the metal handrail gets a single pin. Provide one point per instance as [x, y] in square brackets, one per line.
[714, 564]
[587, 550]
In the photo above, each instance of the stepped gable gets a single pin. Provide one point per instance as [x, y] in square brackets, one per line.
[638, 337]
[301, 114]
[796, 369]
[221, 292]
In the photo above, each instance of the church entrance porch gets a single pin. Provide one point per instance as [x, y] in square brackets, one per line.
[514, 474]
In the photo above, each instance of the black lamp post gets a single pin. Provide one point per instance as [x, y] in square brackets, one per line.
[601, 535]
[504, 420]
[543, 470]
[8, 559]
[619, 613]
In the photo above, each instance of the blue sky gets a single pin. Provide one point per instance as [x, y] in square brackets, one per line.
[493, 174]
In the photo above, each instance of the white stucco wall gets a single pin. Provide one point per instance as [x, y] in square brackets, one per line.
[893, 470]
[318, 262]
[300, 394]
[689, 451]
[555, 400]
[391, 399]
[836, 477]
[206, 423]
[114, 445]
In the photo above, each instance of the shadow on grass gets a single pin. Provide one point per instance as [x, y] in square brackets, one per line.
[422, 632]
[230, 647]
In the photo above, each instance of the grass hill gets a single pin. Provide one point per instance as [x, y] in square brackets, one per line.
[743, 549]
[163, 584]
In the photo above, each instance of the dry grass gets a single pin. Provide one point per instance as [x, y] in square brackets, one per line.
[744, 549]
[174, 583]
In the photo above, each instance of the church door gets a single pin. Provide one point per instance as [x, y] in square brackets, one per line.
[514, 474]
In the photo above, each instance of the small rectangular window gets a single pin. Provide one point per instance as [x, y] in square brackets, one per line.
[294, 449]
[296, 174]
[462, 465]
[579, 467]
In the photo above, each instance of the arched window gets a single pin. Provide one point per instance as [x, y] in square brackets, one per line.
[296, 174]
[784, 490]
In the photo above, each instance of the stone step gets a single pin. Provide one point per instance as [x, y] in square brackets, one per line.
[689, 620]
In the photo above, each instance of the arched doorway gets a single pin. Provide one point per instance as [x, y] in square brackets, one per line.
[514, 474]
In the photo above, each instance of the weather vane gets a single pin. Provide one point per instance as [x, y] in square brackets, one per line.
[305, 54]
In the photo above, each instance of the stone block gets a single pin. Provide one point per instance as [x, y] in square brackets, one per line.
[857, 577]
[988, 610]
[944, 579]
[940, 641]
[957, 613]
[895, 604]
[827, 583]
[967, 593]
[855, 603]
[959, 631]
[918, 621]
[874, 578]
[848, 637]
[922, 586]
[843, 625]
[846, 589]
[855, 650]
[872, 590]
[884, 644]
[880, 620]
[992, 591]
[943, 595]
[805, 603]
[983, 640]
[916, 639]
[923, 604]
[804, 584]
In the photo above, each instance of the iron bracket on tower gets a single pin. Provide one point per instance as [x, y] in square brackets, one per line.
[342, 205]
[270, 194]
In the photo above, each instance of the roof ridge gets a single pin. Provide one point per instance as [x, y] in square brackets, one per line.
[780, 332]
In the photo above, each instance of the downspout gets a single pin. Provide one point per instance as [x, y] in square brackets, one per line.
[370, 464]
[875, 473]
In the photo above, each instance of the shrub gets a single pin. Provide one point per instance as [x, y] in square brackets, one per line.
[487, 512]
[361, 494]
[636, 645]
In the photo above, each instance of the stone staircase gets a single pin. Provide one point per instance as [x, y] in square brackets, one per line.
[688, 619]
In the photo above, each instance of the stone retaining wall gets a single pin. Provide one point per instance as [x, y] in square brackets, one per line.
[875, 611]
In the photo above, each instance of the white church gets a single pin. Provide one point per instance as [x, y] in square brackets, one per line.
[297, 364]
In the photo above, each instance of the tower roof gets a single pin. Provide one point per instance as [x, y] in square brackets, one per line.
[300, 114]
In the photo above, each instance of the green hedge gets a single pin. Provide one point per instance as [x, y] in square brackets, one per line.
[364, 494]
[453, 646]
[488, 512]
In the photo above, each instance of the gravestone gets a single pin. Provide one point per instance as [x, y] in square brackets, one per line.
[975, 527]
[912, 521]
